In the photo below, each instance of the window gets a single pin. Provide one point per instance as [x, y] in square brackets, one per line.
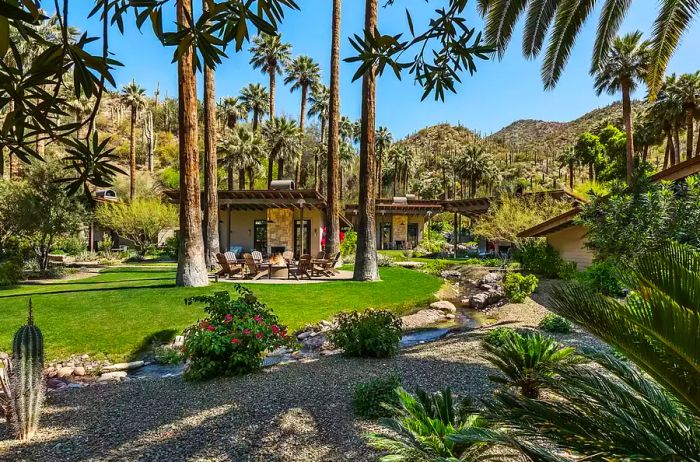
[297, 237]
[260, 235]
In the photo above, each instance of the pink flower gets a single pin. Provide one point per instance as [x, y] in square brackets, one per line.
[211, 328]
[246, 331]
[259, 335]
[275, 329]
[235, 340]
[258, 318]
[228, 318]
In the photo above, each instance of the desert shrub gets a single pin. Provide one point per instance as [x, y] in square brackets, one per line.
[233, 337]
[426, 427]
[369, 398]
[433, 244]
[567, 270]
[555, 324]
[536, 256]
[498, 336]
[172, 247]
[384, 260]
[349, 244]
[518, 287]
[10, 273]
[165, 354]
[602, 277]
[72, 245]
[372, 333]
[435, 267]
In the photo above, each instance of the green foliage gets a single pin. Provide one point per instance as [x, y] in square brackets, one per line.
[526, 361]
[170, 178]
[518, 287]
[498, 336]
[385, 261]
[555, 324]
[434, 244]
[349, 245]
[369, 399]
[368, 334]
[172, 247]
[536, 256]
[165, 354]
[233, 337]
[139, 221]
[422, 429]
[435, 267]
[10, 272]
[602, 276]
[72, 245]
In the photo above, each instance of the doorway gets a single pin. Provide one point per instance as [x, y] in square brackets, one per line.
[297, 237]
[385, 233]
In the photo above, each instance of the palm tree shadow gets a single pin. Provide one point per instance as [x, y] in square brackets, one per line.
[101, 289]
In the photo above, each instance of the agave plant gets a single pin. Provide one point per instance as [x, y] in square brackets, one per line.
[422, 426]
[526, 361]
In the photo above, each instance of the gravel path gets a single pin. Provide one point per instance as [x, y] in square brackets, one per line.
[296, 412]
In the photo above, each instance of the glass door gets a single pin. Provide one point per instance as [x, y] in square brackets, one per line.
[260, 236]
[297, 238]
[386, 236]
[413, 235]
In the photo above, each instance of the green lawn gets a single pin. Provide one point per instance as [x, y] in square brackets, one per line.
[116, 313]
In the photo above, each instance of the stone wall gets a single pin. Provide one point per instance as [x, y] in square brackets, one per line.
[399, 227]
[280, 229]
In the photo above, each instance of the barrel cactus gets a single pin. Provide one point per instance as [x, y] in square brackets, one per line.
[27, 379]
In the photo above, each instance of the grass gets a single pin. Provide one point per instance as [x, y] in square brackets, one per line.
[398, 255]
[117, 313]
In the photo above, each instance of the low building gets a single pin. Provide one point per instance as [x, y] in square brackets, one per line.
[270, 221]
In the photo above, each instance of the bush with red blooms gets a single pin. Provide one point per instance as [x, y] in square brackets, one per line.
[233, 339]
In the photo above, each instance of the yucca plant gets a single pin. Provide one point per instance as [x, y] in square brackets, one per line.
[658, 326]
[422, 425]
[526, 361]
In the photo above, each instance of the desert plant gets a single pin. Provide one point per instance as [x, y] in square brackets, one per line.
[26, 380]
[602, 276]
[370, 399]
[526, 361]
[421, 428]
[372, 333]
[518, 287]
[498, 336]
[385, 260]
[233, 338]
[555, 324]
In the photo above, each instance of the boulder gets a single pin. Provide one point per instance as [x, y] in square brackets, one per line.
[449, 316]
[55, 384]
[488, 287]
[64, 372]
[422, 318]
[123, 366]
[410, 264]
[116, 376]
[79, 371]
[451, 274]
[303, 335]
[313, 343]
[481, 300]
[444, 305]
[491, 278]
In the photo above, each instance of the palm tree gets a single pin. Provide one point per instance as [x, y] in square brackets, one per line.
[271, 56]
[333, 156]
[668, 109]
[320, 107]
[622, 68]
[282, 136]
[211, 168]
[565, 18]
[242, 149]
[383, 142]
[191, 266]
[568, 159]
[231, 111]
[255, 99]
[302, 73]
[133, 97]
[366, 257]
[687, 88]
[347, 158]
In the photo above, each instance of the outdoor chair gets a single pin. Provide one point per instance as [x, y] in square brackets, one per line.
[227, 269]
[321, 255]
[304, 268]
[231, 257]
[254, 269]
[326, 267]
[257, 256]
[288, 256]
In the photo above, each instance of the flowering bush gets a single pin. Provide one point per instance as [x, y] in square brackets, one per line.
[233, 338]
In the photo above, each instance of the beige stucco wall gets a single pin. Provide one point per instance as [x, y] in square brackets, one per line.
[569, 242]
[240, 232]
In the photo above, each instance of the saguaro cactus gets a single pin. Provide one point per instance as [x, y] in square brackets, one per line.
[27, 379]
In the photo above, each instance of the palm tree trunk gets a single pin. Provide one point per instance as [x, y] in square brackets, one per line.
[132, 155]
[677, 144]
[333, 161]
[297, 173]
[241, 178]
[667, 152]
[211, 186]
[366, 257]
[380, 173]
[251, 179]
[191, 267]
[671, 147]
[571, 176]
[697, 146]
[2, 162]
[689, 135]
[627, 115]
[316, 170]
[280, 168]
[229, 177]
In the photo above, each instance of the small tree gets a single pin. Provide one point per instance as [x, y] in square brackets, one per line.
[140, 221]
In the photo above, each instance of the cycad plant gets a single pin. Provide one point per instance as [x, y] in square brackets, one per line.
[526, 361]
[422, 426]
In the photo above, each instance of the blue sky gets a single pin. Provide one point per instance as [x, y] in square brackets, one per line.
[499, 93]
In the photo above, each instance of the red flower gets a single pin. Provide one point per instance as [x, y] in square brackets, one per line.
[228, 318]
[235, 340]
[283, 333]
[246, 331]
[258, 318]
[211, 328]
[259, 335]
[275, 329]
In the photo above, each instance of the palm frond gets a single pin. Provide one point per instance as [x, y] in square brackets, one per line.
[500, 21]
[539, 18]
[608, 24]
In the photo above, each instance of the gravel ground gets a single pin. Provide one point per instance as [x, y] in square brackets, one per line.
[295, 412]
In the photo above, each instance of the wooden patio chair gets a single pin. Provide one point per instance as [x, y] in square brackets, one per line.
[326, 267]
[231, 257]
[304, 268]
[227, 269]
[257, 256]
[254, 270]
[288, 256]
[321, 255]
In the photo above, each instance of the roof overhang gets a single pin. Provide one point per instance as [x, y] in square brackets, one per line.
[552, 225]
[679, 171]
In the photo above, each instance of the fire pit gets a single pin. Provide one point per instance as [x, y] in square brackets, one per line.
[278, 267]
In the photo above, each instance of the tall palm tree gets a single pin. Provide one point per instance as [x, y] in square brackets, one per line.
[242, 149]
[474, 163]
[624, 66]
[383, 142]
[302, 74]
[366, 257]
[668, 110]
[191, 266]
[282, 136]
[333, 156]
[133, 97]
[319, 106]
[271, 56]
[211, 167]
[688, 90]
[255, 99]
[231, 111]
[564, 19]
